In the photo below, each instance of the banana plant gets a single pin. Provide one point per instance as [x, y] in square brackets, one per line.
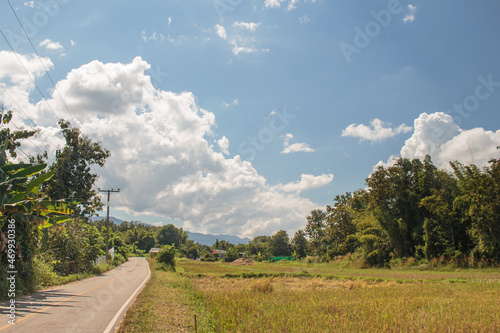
[20, 193]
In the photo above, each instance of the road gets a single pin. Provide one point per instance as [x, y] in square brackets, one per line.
[93, 305]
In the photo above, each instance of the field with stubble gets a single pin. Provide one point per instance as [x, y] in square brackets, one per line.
[300, 297]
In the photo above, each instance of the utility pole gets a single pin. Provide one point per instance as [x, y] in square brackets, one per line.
[135, 231]
[107, 220]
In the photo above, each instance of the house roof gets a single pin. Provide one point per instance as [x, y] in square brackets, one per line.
[154, 250]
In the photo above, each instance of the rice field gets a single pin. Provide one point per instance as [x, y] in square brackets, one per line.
[320, 298]
[300, 297]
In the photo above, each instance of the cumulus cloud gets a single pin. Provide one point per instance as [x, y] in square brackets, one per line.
[307, 182]
[377, 132]
[440, 137]
[224, 145]
[51, 45]
[162, 156]
[294, 147]
[221, 31]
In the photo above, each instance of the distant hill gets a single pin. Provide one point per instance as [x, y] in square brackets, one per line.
[111, 218]
[207, 239]
[203, 239]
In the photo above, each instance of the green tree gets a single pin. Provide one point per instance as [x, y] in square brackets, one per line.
[170, 235]
[479, 201]
[260, 244]
[72, 167]
[280, 244]
[340, 227]
[12, 137]
[299, 243]
[315, 230]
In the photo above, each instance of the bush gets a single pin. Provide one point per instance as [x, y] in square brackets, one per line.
[166, 257]
[44, 273]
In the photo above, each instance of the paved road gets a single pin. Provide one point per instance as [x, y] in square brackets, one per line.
[92, 305]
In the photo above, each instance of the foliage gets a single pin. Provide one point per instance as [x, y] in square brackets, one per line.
[231, 254]
[170, 235]
[299, 244]
[412, 209]
[74, 247]
[280, 244]
[166, 257]
[72, 170]
[23, 208]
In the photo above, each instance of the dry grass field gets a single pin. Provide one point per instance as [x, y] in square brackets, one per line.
[298, 297]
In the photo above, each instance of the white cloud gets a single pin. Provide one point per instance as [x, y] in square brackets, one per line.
[377, 131]
[221, 31]
[162, 156]
[273, 3]
[437, 134]
[240, 44]
[12, 70]
[307, 182]
[252, 26]
[50, 45]
[410, 17]
[169, 20]
[30, 4]
[155, 36]
[224, 145]
[294, 147]
[73, 43]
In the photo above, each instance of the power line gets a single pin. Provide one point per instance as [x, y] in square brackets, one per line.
[51, 80]
[43, 65]
[27, 72]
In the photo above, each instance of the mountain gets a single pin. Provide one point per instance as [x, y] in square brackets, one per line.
[203, 239]
[111, 219]
[207, 239]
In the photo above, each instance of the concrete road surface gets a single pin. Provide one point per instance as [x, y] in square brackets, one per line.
[93, 305]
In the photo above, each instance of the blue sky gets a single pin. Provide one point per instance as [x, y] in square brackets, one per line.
[241, 116]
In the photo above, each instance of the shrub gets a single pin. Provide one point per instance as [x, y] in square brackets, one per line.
[166, 257]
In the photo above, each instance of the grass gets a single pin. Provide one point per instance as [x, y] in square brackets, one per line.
[166, 304]
[301, 297]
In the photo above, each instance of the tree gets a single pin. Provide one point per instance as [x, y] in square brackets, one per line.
[259, 244]
[12, 137]
[72, 167]
[299, 243]
[395, 195]
[315, 230]
[280, 244]
[170, 235]
[340, 227]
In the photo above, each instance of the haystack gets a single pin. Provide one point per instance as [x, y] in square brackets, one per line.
[243, 261]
